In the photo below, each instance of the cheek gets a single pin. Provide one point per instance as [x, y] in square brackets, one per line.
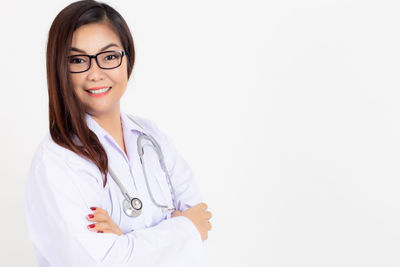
[120, 78]
[75, 81]
[123, 78]
[123, 72]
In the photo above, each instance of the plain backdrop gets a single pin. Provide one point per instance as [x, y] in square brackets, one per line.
[287, 111]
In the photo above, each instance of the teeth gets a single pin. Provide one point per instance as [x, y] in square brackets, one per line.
[99, 91]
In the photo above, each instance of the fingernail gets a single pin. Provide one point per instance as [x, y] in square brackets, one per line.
[100, 231]
[91, 216]
[92, 225]
[92, 208]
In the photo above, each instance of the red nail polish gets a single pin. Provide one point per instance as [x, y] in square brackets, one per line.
[92, 208]
[100, 231]
[92, 225]
[91, 216]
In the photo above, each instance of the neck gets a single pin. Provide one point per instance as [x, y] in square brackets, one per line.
[110, 122]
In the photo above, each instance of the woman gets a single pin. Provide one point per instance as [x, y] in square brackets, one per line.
[75, 213]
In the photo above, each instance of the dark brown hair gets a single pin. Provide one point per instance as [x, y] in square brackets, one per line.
[66, 113]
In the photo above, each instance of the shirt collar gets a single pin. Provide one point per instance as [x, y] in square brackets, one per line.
[127, 124]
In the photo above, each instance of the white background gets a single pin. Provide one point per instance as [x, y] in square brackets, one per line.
[287, 111]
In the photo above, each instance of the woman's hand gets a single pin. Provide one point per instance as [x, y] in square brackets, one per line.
[102, 222]
[199, 216]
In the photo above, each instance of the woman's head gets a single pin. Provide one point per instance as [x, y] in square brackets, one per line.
[108, 71]
[85, 27]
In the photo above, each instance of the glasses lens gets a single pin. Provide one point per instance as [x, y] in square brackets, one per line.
[78, 63]
[109, 59]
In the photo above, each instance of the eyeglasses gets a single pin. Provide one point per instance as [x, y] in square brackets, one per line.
[105, 60]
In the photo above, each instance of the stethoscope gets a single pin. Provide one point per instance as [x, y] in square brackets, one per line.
[132, 205]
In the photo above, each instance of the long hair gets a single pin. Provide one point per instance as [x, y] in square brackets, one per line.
[66, 112]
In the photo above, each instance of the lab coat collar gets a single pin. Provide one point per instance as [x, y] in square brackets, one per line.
[127, 124]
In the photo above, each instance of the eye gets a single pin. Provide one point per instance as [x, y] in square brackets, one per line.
[76, 60]
[110, 57]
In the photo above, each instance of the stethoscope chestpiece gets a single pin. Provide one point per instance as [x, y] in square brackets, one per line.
[132, 208]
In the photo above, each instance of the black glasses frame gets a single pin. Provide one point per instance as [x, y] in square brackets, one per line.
[95, 57]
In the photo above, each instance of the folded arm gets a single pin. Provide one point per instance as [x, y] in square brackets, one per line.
[57, 201]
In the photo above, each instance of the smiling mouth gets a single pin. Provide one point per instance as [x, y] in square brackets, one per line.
[98, 91]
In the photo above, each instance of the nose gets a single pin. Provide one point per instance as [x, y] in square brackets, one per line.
[95, 72]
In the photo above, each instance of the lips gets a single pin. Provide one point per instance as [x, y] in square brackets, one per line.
[98, 91]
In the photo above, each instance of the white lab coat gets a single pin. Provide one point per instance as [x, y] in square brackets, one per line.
[61, 187]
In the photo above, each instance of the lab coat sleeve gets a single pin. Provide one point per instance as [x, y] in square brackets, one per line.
[58, 198]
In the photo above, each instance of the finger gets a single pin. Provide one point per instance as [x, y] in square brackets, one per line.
[116, 231]
[208, 215]
[99, 214]
[209, 226]
[108, 231]
[99, 226]
[98, 210]
[98, 217]
[202, 206]
[176, 213]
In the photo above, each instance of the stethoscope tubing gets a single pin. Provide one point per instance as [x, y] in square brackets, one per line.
[160, 155]
[163, 166]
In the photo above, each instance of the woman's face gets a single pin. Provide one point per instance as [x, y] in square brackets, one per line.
[91, 39]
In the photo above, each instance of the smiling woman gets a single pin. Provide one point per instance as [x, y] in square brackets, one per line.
[90, 57]
[86, 27]
[89, 83]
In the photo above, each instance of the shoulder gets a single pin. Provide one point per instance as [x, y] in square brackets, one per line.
[151, 127]
[61, 175]
[47, 150]
[49, 154]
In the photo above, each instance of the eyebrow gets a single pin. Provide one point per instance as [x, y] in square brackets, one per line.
[82, 51]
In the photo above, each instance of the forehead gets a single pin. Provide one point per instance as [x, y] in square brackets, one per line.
[92, 37]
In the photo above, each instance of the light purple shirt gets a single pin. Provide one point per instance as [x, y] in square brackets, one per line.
[62, 186]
